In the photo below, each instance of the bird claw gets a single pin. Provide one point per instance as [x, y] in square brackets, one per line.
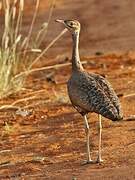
[88, 162]
[99, 160]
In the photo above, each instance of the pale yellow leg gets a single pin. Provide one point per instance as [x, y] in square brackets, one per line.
[99, 159]
[87, 130]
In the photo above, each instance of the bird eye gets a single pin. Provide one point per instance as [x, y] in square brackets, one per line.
[71, 24]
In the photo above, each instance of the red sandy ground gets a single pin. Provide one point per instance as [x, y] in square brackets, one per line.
[50, 142]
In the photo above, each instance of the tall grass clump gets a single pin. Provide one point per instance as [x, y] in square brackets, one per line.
[18, 53]
[10, 45]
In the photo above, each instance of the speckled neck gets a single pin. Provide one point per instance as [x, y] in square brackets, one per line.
[76, 64]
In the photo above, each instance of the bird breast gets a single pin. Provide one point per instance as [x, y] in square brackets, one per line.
[78, 91]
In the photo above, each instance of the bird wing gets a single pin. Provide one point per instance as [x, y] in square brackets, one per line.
[107, 98]
[100, 96]
[109, 91]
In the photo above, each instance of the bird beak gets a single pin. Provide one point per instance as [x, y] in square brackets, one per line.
[59, 21]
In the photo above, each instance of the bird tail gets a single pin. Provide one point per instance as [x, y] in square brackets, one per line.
[113, 114]
[119, 117]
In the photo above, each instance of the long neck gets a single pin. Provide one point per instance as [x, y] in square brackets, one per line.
[76, 64]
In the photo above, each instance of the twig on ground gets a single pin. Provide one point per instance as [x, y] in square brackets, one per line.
[129, 95]
[32, 105]
[23, 100]
[130, 118]
[131, 144]
[6, 163]
[13, 105]
[9, 107]
[36, 92]
[5, 151]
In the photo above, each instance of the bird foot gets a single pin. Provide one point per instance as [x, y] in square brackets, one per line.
[88, 162]
[99, 160]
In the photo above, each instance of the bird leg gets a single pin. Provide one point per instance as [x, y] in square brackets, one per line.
[99, 159]
[89, 160]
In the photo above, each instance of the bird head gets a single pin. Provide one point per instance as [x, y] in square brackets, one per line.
[72, 25]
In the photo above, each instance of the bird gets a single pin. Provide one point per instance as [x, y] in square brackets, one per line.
[90, 92]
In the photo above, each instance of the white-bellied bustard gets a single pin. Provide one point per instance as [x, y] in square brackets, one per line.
[90, 92]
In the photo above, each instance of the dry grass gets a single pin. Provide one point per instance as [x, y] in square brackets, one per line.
[15, 49]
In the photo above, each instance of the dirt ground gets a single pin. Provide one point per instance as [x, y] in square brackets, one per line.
[46, 139]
